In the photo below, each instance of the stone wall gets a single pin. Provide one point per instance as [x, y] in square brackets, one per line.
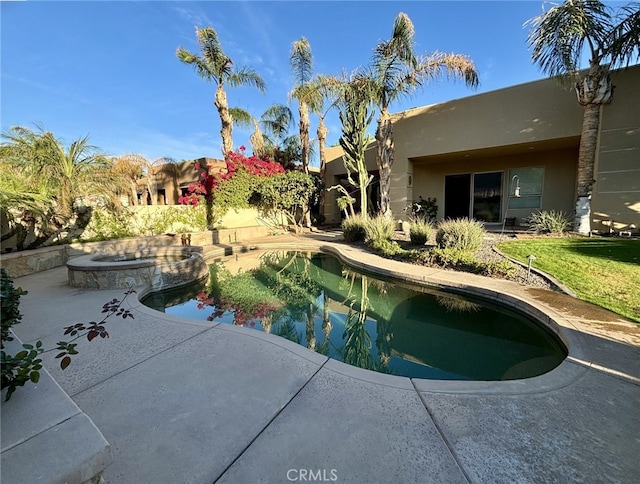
[27, 262]
[159, 267]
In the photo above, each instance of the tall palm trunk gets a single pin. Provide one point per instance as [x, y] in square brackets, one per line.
[593, 91]
[310, 328]
[225, 118]
[322, 132]
[134, 192]
[304, 135]
[257, 140]
[384, 159]
[304, 142]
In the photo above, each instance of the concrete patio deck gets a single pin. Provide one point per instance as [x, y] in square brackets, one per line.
[183, 401]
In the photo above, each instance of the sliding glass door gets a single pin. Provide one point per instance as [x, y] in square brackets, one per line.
[487, 196]
[457, 196]
[477, 195]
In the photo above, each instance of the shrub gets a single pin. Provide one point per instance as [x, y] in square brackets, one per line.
[106, 223]
[10, 300]
[462, 234]
[379, 228]
[420, 231]
[353, 228]
[386, 248]
[502, 268]
[549, 222]
[452, 258]
[462, 260]
[291, 193]
[25, 365]
[426, 209]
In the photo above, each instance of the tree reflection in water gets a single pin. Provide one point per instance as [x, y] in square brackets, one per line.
[286, 289]
[391, 327]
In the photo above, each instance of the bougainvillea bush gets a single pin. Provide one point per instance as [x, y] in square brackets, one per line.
[252, 182]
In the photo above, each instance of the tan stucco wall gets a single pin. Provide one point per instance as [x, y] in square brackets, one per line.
[171, 176]
[533, 124]
[559, 173]
[538, 116]
[526, 113]
[334, 169]
[616, 194]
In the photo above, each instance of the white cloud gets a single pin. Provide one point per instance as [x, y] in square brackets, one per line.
[197, 17]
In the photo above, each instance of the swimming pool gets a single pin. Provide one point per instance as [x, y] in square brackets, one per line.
[368, 321]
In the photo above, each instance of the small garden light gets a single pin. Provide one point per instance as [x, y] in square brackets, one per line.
[530, 258]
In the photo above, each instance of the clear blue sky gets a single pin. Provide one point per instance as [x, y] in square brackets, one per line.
[109, 69]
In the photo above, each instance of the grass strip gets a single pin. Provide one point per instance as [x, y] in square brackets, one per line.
[603, 271]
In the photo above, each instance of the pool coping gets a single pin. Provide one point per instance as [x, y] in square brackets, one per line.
[572, 368]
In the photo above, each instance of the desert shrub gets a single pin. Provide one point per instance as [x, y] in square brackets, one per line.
[420, 230]
[462, 260]
[386, 247]
[549, 222]
[463, 234]
[503, 269]
[379, 228]
[426, 209]
[452, 258]
[353, 228]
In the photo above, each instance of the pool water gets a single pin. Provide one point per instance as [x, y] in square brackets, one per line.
[367, 321]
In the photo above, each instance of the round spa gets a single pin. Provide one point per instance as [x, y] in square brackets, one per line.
[159, 267]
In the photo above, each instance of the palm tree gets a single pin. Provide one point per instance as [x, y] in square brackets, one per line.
[558, 38]
[80, 170]
[214, 65]
[396, 71]
[131, 167]
[301, 60]
[270, 137]
[23, 198]
[45, 168]
[325, 93]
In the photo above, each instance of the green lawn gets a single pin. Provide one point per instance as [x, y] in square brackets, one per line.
[603, 271]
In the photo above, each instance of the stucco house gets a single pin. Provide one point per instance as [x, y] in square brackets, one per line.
[511, 152]
[169, 181]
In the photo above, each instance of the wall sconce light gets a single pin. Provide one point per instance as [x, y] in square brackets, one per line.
[516, 190]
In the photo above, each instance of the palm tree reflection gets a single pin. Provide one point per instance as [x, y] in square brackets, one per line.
[357, 350]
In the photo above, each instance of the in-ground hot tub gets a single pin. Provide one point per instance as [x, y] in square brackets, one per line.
[159, 267]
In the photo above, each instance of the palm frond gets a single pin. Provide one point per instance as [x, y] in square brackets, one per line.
[241, 117]
[558, 36]
[277, 120]
[202, 68]
[301, 60]
[327, 89]
[400, 47]
[624, 48]
[246, 76]
[210, 46]
[451, 66]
